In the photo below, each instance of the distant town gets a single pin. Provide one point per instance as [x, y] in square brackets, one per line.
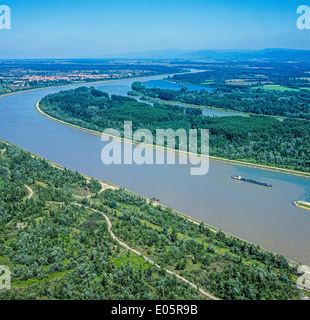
[19, 76]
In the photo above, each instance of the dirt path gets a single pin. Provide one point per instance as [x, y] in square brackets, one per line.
[30, 192]
[104, 186]
[126, 246]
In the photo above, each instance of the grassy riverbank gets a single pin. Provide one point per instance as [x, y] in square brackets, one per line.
[116, 187]
[70, 238]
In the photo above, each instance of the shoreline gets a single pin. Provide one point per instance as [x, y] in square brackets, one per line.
[85, 83]
[58, 86]
[236, 162]
[183, 215]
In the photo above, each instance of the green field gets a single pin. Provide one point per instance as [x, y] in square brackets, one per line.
[275, 87]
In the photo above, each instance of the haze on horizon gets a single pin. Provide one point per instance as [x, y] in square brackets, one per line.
[96, 29]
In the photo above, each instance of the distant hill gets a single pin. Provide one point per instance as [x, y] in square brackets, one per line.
[266, 54]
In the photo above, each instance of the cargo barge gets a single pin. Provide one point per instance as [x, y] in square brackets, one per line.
[252, 181]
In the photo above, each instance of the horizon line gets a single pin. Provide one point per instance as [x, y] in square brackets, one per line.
[114, 55]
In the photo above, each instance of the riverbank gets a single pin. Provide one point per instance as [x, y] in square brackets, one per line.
[302, 204]
[113, 186]
[65, 85]
[237, 162]
[213, 229]
[56, 165]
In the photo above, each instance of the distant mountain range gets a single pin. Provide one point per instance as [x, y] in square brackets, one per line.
[270, 54]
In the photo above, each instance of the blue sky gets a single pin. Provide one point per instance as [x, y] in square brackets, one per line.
[94, 28]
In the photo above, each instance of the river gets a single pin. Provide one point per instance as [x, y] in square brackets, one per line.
[264, 216]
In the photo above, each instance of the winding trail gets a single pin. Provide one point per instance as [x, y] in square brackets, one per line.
[126, 246]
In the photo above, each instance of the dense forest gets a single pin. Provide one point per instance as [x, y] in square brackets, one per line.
[291, 104]
[58, 246]
[256, 139]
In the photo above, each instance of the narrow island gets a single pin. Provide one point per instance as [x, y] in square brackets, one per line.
[262, 142]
